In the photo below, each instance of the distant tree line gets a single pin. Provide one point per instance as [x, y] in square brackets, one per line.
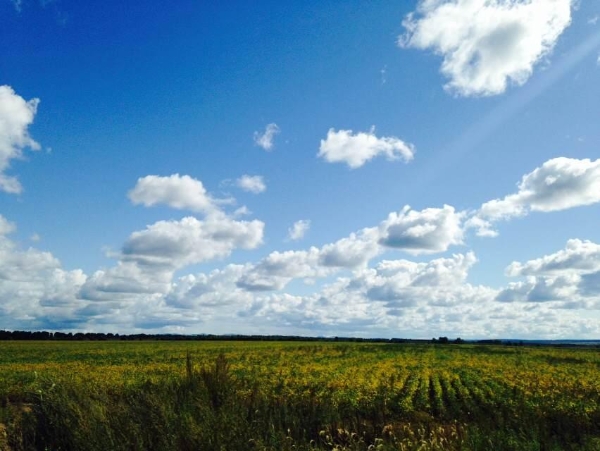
[99, 336]
[446, 340]
[95, 336]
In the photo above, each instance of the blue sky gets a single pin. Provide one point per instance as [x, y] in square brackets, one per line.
[408, 169]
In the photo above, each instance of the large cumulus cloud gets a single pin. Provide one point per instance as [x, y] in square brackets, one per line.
[487, 45]
[16, 115]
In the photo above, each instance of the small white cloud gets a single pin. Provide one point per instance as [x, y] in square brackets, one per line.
[487, 44]
[252, 183]
[483, 227]
[35, 237]
[177, 191]
[16, 115]
[422, 232]
[241, 211]
[351, 252]
[593, 20]
[265, 140]
[298, 229]
[356, 149]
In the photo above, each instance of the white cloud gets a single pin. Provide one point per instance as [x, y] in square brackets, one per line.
[298, 229]
[6, 226]
[422, 232]
[569, 278]
[559, 184]
[415, 232]
[252, 183]
[441, 282]
[16, 115]
[541, 289]
[579, 256]
[35, 292]
[487, 44]
[150, 257]
[175, 244]
[394, 298]
[593, 20]
[355, 150]
[177, 191]
[126, 282]
[265, 140]
[397, 298]
[276, 270]
[383, 73]
[241, 211]
[353, 251]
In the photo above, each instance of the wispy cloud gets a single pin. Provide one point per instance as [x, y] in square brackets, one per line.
[252, 183]
[266, 139]
[383, 73]
[299, 229]
[18, 4]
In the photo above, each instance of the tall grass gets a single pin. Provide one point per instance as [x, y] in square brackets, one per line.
[215, 405]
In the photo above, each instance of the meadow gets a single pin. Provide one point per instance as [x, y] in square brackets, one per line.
[194, 395]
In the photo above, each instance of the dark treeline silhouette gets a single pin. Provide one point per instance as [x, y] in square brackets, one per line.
[89, 336]
[458, 341]
[99, 336]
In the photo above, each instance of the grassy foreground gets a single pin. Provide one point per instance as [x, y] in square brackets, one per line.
[296, 396]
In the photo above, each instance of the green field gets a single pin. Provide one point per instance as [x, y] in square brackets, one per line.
[289, 395]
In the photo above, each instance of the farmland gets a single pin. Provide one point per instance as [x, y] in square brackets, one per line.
[294, 395]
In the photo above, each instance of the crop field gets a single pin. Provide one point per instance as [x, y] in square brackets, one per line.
[196, 395]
